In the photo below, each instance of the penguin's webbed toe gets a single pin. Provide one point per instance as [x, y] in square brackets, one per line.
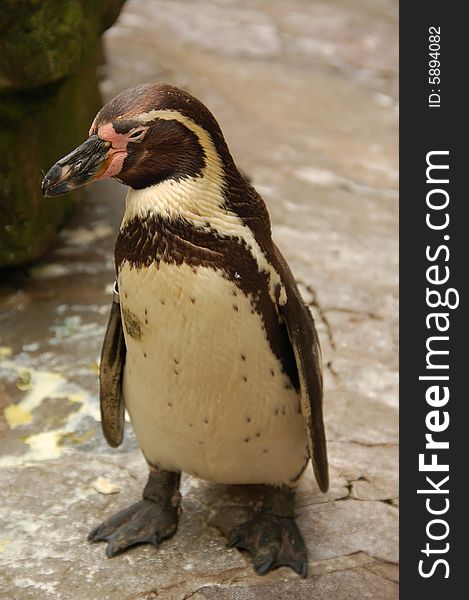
[273, 542]
[143, 522]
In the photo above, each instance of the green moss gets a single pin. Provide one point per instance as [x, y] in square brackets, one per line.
[46, 40]
[40, 129]
[47, 101]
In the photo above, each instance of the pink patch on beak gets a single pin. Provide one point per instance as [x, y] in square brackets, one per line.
[115, 166]
[117, 152]
[118, 140]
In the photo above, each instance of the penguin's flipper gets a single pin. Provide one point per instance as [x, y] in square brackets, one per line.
[305, 343]
[110, 379]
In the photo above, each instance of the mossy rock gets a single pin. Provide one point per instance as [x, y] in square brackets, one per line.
[42, 41]
[48, 98]
[36, 130]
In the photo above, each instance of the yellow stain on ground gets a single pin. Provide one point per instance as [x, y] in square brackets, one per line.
[75, 439]
[16, 415]
[5, 352]
[38, 385]
[4, 543]
[47, 445]
[44, 446]
[76, 398]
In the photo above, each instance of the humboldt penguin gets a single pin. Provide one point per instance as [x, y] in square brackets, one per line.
[209, 345]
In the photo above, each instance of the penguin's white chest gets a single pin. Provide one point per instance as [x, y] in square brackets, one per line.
[205, 393]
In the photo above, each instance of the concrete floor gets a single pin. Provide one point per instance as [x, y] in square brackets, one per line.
[305, 93]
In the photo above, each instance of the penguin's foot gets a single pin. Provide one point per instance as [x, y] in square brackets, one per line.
[142, 522]
[150, 520]
[272, 536]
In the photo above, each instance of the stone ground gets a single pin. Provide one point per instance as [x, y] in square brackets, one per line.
[306, 95]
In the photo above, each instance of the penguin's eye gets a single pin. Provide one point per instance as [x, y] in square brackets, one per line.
[137, 135]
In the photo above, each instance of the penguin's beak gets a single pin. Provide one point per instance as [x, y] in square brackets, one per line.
[84, 165]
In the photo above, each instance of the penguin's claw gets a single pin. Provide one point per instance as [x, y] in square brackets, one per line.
[145, 521]
[272, 542]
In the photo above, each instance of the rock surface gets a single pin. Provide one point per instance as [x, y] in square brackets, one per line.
[305, 93]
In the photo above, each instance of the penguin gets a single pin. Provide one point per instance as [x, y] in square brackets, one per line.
[209, 345]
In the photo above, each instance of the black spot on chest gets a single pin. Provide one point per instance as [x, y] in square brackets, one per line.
[132, 324]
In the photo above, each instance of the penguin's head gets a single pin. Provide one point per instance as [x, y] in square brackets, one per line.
[145, 135]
